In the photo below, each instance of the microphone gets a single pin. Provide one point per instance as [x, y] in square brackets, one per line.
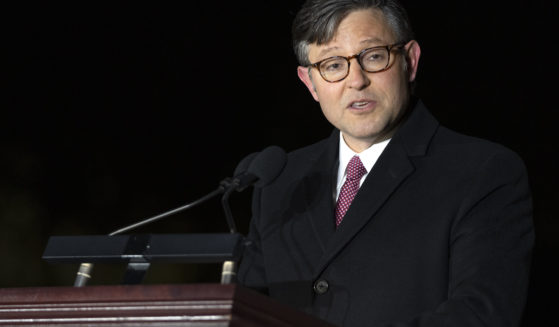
[262, 170]
[265, 167]
[244, 164]
[240, 170]
[245, 174]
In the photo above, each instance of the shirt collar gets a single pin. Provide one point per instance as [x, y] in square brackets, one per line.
[368, 157]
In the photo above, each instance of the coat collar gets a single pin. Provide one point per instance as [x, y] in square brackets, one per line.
[391, 169]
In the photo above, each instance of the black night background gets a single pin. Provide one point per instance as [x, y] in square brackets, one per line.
[112, 113]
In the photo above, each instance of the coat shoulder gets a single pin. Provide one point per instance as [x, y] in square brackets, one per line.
[316, 149]
[449, 142]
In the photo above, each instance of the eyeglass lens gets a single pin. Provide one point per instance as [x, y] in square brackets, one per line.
[371, 60]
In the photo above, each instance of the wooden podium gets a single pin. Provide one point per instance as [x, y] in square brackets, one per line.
[208, 305]
[146, 305]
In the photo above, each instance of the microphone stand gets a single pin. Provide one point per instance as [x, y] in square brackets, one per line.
[262, 167]
[228, 270]
[84, 272]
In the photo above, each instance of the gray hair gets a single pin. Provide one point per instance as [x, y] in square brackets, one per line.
[318, 20]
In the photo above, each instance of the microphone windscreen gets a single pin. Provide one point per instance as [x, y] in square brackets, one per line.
[242, 167]
[267, 165]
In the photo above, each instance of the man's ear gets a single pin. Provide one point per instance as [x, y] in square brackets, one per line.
[304, 74]
[413, 52]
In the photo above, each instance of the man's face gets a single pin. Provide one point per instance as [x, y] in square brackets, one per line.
[366, 107]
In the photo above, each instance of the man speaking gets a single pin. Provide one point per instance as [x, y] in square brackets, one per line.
[393, 220]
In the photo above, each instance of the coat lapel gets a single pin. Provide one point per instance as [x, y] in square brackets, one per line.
[319, 183]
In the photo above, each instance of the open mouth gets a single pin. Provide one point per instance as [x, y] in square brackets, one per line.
[359, 105]
[362, 104]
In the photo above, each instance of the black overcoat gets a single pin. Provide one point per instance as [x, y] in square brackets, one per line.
[439, 234]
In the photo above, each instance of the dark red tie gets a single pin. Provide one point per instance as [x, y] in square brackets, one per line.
[354, 171]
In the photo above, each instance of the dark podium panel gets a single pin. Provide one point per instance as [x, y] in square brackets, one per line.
[146, 305]
[198, 248]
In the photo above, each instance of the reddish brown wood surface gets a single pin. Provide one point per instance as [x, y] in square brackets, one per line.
[146, 305]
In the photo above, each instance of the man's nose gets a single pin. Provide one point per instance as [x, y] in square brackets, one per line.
[357, 78]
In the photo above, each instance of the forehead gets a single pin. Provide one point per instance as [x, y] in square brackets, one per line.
[358, 30]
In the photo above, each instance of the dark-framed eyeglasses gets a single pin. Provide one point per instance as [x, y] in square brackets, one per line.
[371, 60]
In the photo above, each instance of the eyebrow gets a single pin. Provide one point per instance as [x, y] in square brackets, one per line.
[325, 51]
[370, 41]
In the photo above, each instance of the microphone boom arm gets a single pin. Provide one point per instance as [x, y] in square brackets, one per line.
[84, 272]
[219, 190]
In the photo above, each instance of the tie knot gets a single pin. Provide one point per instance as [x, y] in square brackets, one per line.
[355, 169]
